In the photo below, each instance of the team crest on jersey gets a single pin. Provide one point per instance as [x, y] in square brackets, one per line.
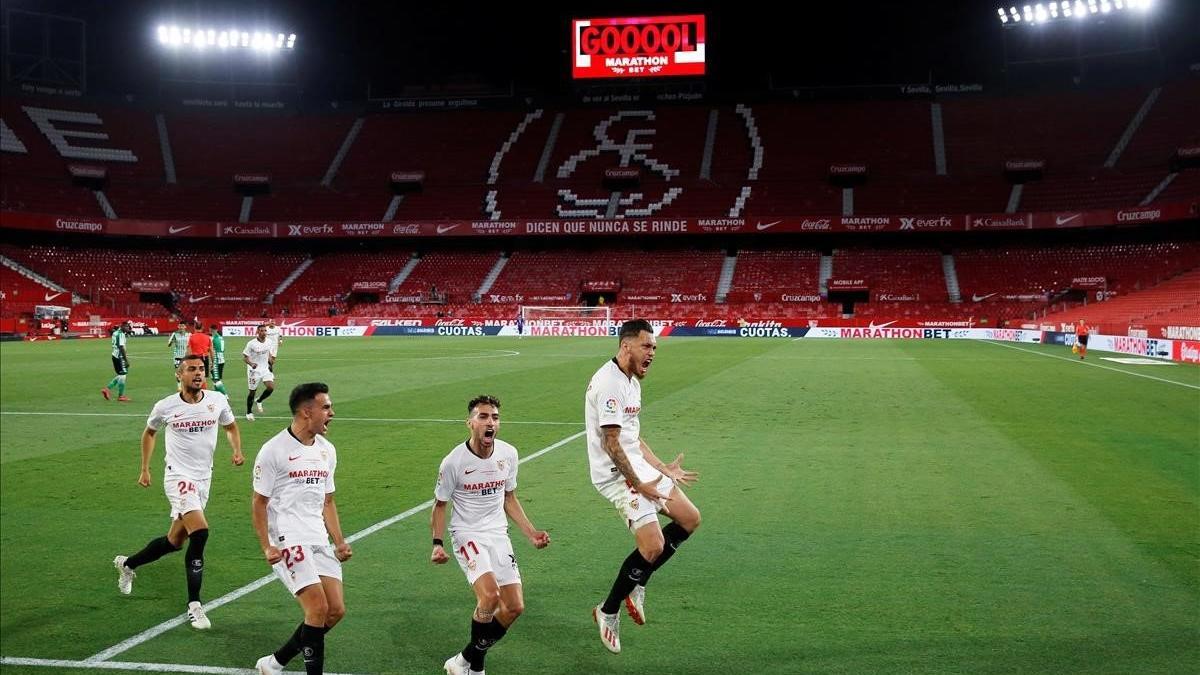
[212, 408]
[500, 464]
[324, 455]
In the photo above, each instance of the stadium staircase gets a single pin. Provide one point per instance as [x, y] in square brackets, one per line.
[1130, 130]
[725, 281]
[290, 279]
[825, 270]
[392, 207]
[343, 150]
[395, 282]
[490, 279]
[939, 139]
[951, 274]
[164, 142]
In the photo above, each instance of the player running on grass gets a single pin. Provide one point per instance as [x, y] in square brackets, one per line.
[191, 417]
[294, 516]
[120, 361]
[479, 477]
[258, 358]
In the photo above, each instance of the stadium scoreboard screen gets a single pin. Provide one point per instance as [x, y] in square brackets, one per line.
[643, 46]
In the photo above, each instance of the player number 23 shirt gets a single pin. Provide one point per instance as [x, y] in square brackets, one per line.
[296, 478]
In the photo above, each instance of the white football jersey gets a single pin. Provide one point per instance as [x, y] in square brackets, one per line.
[296, 478]
[614, 398]
[273, 338]
[191, 431]
[258, 353]
[475, 487]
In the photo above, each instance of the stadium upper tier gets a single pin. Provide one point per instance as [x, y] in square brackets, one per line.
[1095, 149]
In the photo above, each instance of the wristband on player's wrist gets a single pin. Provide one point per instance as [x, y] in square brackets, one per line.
[437, 542]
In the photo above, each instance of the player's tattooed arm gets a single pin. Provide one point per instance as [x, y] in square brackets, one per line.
[612, 445]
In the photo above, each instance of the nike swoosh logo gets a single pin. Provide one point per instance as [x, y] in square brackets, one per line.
[980, 298]
[443, 229]
[767, 226]
[873, 326]
[192, 298]
[470, 471]
[292, 459]
[176, 230]
[51, 296]
[1059, 220]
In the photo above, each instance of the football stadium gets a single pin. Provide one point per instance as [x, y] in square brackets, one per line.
[613, 337]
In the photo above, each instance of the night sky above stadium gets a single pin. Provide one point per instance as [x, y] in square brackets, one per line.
[346, 46]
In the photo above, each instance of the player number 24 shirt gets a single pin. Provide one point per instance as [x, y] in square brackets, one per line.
[191, 431]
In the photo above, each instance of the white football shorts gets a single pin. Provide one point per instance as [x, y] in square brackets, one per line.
[478, 554]
[256, 376]
[633, 507]
[304, 565]
[185, 494]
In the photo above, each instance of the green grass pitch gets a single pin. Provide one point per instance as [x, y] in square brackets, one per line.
[869, 507]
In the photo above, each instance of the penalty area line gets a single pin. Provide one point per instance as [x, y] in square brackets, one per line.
[151, 633]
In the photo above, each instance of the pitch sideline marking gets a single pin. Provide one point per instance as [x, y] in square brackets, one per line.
[127, 665]
[265, 417]
[1094, 365]
[165, 626]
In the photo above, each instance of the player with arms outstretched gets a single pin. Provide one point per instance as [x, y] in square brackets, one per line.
[628, 474]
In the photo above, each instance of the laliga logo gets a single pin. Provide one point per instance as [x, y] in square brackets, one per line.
[630, 151]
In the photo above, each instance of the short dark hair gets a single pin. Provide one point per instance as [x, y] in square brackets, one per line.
[191, 357]
[483, 399]
[633, 327]
[216, 327]
[303, 393]
[261, 325]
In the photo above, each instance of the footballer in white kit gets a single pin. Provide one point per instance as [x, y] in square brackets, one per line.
[274, 338]
[295, 515]
[190, 417]
[629, 475]
[479, 479]
[258, 358]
